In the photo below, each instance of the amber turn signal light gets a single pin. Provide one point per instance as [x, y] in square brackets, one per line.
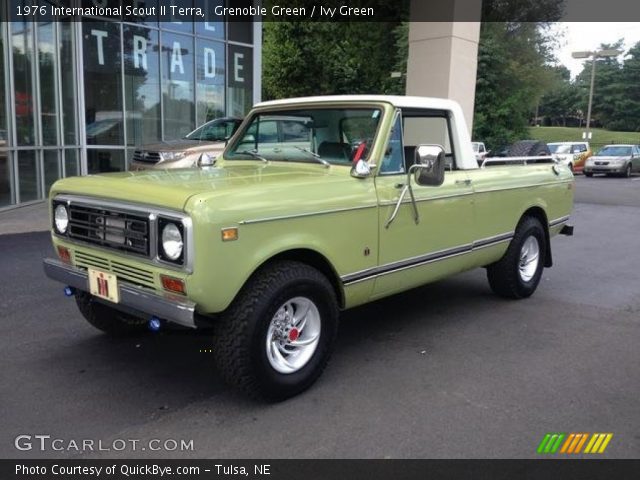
[229, 234]
[172, 284]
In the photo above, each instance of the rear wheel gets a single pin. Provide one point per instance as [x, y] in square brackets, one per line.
[276, 338]
[107, 319]
[518, 272]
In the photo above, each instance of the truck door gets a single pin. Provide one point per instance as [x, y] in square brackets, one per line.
[413, 252]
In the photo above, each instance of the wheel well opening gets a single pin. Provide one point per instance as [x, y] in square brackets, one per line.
[317, 261]
[539, 213]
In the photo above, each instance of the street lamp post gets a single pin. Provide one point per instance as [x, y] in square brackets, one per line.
[594, 56]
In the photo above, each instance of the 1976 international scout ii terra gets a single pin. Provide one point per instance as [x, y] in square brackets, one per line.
[317, 205]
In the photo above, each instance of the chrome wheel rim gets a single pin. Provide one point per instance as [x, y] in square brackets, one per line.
[293, 335]
[529, 258]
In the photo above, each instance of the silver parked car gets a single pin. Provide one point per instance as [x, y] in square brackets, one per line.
[207, 140]
[614, 160]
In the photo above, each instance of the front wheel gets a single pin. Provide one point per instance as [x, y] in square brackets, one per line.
[588, 174]
[627, 171]
[276, 338]
[518, 272]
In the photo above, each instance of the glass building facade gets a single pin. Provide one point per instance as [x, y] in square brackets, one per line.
[78, 95]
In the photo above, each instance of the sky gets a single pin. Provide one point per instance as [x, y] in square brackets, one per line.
[580, 36]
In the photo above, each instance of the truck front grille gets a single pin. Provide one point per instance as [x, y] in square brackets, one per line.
[132, 274]
[124, 231]
[146, 157]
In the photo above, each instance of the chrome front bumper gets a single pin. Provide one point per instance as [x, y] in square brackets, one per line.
[133, 299]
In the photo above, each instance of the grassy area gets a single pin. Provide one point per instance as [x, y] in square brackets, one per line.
[568, 134]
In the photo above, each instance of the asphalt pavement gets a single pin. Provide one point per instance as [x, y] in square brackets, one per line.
[446, 370]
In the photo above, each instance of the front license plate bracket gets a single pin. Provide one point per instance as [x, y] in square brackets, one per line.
[104, 285]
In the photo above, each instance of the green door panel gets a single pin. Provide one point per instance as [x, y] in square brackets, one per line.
[444, 229]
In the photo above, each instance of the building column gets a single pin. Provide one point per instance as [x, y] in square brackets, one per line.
[443, 56]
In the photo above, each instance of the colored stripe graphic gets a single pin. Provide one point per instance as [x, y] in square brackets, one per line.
[550, 443]
[572, 443]
[598, 443]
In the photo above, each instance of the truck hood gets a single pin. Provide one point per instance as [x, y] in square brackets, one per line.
[173, 188]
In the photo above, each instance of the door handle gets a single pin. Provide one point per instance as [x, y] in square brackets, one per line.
[464, 182]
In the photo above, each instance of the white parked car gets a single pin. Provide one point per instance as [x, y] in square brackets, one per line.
[572, 154]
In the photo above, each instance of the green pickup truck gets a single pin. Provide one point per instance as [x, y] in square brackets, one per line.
[317, 205]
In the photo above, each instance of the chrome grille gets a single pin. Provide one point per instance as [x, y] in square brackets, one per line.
[119, 230]
[146, 157]
[131, 274]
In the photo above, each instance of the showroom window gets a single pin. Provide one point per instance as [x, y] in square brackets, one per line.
[102, 83]
[6, 190]
[23, 53]
[79, 97]
[210, 73]
[142, 85]
[48, 82]
[177, 84]
[68, 83]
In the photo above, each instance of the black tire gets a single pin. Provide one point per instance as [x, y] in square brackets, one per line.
[588, 174]
[627, 171]
[107, 319]
[528, 148]
[240, 342]
[505, 278]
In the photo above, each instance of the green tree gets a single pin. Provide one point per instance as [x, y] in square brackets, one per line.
[562, 100]
[629, 103]
[321, 58]
[616, 99]
[512, 77]
[609, 89]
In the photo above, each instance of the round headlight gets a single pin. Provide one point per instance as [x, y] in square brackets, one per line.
[172, 241]
[61, 218]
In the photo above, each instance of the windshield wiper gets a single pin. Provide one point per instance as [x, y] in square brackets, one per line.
[314, 155]
[254, 155]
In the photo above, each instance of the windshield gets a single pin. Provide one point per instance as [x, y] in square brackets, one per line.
[476, 147]
[215, 131]
[335, 135]
[611, 151]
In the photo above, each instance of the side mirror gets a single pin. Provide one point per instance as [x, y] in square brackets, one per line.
[429, 165]
[206, 160]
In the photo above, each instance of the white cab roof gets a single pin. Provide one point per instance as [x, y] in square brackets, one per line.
[465, 158]
[396, 100]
